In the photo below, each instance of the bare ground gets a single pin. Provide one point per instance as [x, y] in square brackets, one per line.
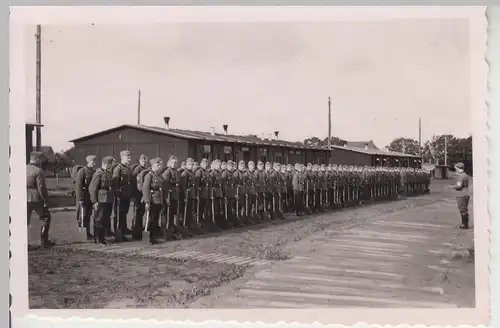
[62, 278]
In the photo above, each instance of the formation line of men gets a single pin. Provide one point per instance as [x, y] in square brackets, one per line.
[176, 202]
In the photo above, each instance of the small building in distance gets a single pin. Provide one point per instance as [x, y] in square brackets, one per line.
[164, 142]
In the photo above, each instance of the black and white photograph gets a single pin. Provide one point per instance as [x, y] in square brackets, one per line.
[253, 164]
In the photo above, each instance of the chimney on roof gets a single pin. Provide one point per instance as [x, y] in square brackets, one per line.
[366, 145]
[213, 130]
[166, 119]
[276, 133]
[225, 128]
[345, 145]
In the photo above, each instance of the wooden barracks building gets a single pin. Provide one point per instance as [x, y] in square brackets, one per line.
[164, 142]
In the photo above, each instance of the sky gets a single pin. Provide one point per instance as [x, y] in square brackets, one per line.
[256, 78]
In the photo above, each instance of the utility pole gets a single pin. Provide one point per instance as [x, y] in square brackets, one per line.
[420, 137]
[446, 150]
[329, 124]
[139, 108]
[38, 87]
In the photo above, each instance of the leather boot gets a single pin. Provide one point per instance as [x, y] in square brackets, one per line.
[152, 238]
[101, 233]
[89, 235]
[465, 221]
[44, 237]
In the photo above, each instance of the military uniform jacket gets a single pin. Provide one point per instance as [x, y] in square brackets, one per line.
[288, 176]
[152, 189]
[171, 183]
[298, 181]
[35, 185]
[187, 184]
[101, 187]
[274, 182]
[309, 180]
[228, 189]
[260, 180]
[322, 180]
[250, 182]
[240, 179]
[82, 182]
[122, 181]
[202, 183]
[217, 184]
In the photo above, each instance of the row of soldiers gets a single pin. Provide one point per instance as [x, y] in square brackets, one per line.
[176, 201]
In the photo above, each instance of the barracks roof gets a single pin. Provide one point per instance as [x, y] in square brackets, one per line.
[238, 139]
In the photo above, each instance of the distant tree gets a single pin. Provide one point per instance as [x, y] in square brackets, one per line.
[317, 142]
[335, 141]
[404, 145]
[459, 149]
[313, 142]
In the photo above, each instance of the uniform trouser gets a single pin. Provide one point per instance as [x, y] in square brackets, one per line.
[44, 215]
[205, 209]
[170, 212]
[289, 200]
[231, 207]
[138, 215]
[311, 194]
[271, 202]
[262, 201]
[252, 204]
[123, 207]
[299, 201]
[463, 205]
[219, 206]
[154, 217]
[87, 213]
[240, 204]
[187, 211]
[102, 215]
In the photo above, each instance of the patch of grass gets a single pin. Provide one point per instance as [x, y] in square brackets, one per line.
[66, 278]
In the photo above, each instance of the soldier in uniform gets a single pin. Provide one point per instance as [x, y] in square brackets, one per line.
[122, 185]
[37, 195]
[172, 228]
[153, 198]
[232, 189]
[101, 195]
[84, 205]
[298, 185]
[268, 191]
[138, 206]
[203, 187]
[188, 189]
[290, 198]
[217, 193]
[260, 180]
[322, 186]
[275, 191]
[241, 193]
[196, 166]
[251, 198]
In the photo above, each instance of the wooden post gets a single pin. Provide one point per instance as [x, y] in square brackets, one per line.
[38, 87]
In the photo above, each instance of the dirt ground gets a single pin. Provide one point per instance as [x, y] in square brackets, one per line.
[62, 278]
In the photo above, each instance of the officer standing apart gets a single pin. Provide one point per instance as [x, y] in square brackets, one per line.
[37, 195]
[461, 187]
[152, 196]
[101, 195]
[82, 182]
[122, 185]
